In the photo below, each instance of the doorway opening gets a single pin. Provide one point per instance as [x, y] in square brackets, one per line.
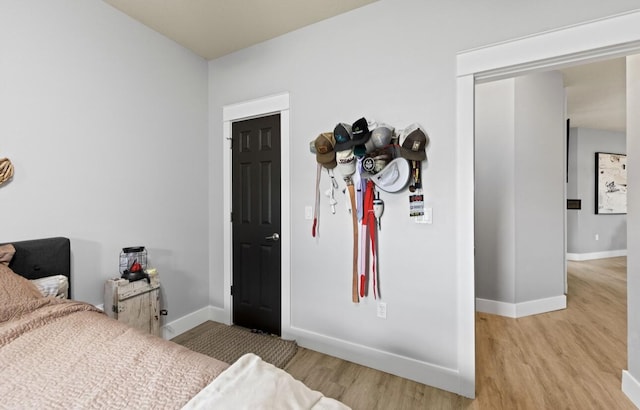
[598, 40]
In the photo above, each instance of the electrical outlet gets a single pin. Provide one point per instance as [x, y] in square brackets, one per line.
[597, 237]
[308, 213]
[382, 310]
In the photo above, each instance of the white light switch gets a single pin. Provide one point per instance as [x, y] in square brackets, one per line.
[427, 218]
[308, 213]
[428, 215]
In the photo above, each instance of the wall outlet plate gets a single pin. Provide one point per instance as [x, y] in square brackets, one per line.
[382, 310]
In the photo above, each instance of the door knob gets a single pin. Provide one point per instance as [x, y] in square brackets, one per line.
[275, 237]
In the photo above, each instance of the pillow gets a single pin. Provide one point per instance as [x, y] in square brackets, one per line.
[14, 288]
[6, 254]
[56, 286]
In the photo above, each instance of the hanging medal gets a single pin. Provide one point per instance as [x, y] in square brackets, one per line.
[416, 199]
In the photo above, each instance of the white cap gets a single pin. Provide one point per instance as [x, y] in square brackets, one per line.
[394, 176]
[346, 162]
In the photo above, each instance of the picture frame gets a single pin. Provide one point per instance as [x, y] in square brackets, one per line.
[611, 183]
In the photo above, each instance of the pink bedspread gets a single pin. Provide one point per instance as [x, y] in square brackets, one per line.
[67, 354]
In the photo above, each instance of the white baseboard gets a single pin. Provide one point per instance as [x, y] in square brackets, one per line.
[535, 307]
[495, 307]
[595, 255]
[188, 322]
[631, 387]
[516, 310]
[420, 371]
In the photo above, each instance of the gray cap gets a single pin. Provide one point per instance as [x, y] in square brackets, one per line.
[382, 135]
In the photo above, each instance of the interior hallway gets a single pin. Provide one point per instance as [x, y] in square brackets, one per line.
[569, 359]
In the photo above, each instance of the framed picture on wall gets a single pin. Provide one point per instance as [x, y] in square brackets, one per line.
[611, 183]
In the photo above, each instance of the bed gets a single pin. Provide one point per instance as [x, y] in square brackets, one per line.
[61, 353]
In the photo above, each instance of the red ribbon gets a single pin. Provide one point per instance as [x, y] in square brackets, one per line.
[369, 220]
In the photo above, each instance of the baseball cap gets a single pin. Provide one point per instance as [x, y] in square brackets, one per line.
[346, 162]
[342, 134]
[325, 153]
[380, 137]
[360, 132]
[394, 176]
[414, 142]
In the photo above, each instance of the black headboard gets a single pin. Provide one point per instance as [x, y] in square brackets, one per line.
[38, 258]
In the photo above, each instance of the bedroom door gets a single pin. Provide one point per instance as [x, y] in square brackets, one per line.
[255, 220]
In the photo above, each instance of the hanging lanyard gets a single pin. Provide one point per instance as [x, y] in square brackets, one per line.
[368, 241]
[331, 191]
[315, 229]
[372, 225]
[372, 235]
[354, 220]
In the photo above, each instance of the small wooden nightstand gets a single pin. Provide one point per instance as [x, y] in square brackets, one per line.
[134, 303]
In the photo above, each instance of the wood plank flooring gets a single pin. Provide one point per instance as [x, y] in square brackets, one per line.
[569, 359]
[361, 387]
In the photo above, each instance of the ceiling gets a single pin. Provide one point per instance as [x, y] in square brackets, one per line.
[596, 95]
[213, 28]
[596, 92]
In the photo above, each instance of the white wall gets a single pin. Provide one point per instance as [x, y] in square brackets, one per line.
[106, 123]
[495, 191]
[584, 224]
[631, 380]
[393, 61]
[573, 228]
[519, 189]
[540, 178]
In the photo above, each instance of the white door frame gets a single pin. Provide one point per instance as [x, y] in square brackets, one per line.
[615, 36]
[274, 104]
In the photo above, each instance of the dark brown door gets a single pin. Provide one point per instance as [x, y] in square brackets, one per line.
[256, 223]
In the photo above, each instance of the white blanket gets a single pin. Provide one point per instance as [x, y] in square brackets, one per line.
[251, 383]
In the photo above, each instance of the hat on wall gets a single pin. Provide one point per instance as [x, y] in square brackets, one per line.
[324, 145]
[360, 132]
[375, 162]
[346, 162]
[414, 141]
[342, 134]
[380, 137]
[361, 135]
[393, 177]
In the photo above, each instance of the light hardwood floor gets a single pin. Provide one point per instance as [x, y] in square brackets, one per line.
[569, 359]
